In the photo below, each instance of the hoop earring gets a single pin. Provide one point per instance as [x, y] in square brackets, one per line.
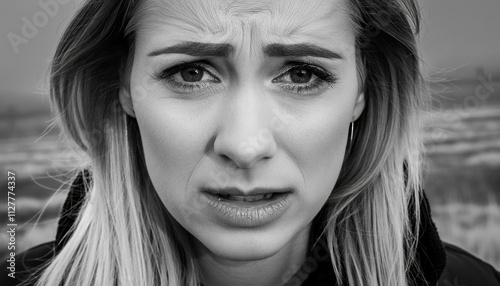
[351, 133]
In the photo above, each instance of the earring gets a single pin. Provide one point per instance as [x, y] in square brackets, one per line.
[351, 133]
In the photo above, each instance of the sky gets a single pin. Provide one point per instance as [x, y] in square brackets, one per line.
[457, 34]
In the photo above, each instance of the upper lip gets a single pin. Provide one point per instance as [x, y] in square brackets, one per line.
[233, 191]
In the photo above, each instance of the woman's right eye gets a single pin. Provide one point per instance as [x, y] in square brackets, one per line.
[189, 77]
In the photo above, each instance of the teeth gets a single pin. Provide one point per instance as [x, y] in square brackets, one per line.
[246, 198]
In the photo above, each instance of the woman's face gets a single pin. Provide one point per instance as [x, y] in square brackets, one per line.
[244, 109]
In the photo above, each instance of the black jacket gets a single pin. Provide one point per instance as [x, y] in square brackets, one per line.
[442, 264]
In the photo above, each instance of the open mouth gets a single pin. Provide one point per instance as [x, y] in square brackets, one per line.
[254, 195]
[255, 198]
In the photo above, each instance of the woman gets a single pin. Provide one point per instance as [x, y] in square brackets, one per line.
[245, 143]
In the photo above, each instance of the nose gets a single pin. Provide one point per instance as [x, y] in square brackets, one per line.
[244, 135]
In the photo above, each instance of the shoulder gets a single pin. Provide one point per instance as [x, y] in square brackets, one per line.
[26, 264]
[464, 269]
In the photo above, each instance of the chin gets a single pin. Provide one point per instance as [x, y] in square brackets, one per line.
[245, 244]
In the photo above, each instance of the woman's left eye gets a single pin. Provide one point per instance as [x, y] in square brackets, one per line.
[189, 77]
[304, 78]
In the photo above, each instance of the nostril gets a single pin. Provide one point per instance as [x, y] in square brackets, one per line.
[243, 144]
[225, 157]
[243, 154]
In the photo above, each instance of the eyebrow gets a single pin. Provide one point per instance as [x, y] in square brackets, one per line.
[196, 49]
[300, 50]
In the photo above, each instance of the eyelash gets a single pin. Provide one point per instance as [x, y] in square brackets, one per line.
[323, 77]
[167, 75]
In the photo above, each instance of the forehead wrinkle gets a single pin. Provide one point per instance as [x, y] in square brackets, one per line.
[285, 24]
[245, 8]
[248, 16]
[254, 22]
[197, 17]
[251, 37]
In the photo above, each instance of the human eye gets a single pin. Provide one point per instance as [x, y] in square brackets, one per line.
[189, 77]
[304, 78]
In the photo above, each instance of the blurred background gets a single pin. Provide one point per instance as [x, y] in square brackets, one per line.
[460, 44]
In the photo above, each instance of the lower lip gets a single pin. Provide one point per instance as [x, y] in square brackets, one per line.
[247, 214]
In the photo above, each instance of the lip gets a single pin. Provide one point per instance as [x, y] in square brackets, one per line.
[245, 214]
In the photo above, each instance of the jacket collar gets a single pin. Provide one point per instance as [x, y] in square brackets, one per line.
[317, 268]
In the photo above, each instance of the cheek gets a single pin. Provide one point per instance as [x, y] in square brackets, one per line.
[318, 142]
[173, 146]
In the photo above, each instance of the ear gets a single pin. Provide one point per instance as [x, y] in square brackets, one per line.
[359, 106]
[126, 101]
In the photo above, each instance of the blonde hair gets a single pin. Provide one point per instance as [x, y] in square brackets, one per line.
[124, 235]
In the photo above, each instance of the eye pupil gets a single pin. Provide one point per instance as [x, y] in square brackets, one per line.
[192, 74]
[300, 75]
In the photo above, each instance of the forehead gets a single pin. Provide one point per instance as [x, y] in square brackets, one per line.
[226, 20]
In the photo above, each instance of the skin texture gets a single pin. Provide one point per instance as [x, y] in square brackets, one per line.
[244, 125]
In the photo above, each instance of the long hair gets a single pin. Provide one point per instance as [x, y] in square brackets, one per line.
[125, 236]
[371, 229]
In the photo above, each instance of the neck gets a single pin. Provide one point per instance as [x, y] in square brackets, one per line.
[271, 271]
